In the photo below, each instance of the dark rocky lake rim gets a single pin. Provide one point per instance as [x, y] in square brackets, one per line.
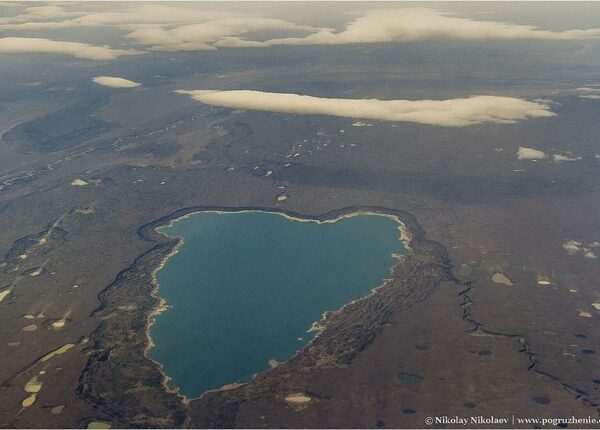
[96, 390]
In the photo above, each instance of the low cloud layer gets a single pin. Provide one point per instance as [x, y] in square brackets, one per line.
[524, 153]
[181, 28]
[574, 247]
[209, 35]
[34, 13]
[414, 24]
[33, 45]
[530, 154]
[449, 113]
[591, 93]
[123, 17]
[114, 82]
[560, 158]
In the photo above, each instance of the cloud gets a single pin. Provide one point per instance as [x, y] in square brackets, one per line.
[44, 11]
[20, 45]
[174, 28]
[114, 82]
[572, 247]
[529, 154]
[131, 16]
[376, 26]
[587, 92]
[209, 35]
[414, 24]
[128, 18]
[35, 13]
[450, 113]
[166, 28]
[559, 157]
[147, 14]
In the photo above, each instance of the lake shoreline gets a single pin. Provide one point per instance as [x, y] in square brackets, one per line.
[407, 225]
[134, 284]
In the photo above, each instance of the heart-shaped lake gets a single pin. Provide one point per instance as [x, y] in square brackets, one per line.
[245, 287]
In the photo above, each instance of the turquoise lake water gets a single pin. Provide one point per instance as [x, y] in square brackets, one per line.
[245, 287]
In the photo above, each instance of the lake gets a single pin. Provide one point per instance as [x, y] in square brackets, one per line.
[245, 287]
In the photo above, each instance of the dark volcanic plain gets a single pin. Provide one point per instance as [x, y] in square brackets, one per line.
[439, 339]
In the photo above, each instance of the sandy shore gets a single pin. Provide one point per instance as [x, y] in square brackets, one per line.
[160, 308]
